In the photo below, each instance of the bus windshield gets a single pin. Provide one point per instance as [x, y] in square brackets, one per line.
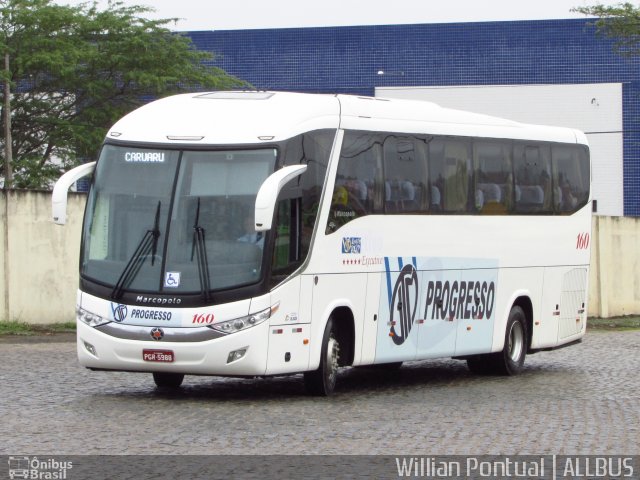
[174, 221]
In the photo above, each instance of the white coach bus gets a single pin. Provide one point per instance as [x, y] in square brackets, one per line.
[262, 233]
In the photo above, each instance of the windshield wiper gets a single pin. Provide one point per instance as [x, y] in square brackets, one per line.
[148, 245]
[199, 247]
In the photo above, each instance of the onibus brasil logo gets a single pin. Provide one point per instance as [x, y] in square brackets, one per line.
[35, 468]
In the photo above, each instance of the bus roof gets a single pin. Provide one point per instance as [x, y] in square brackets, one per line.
[235, 117]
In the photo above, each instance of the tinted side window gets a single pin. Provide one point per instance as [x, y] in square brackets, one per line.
[358, 187]
[494, 177]
[570, 177]
[312, 149]
[449, 174]
[532, 166]
[405, 165]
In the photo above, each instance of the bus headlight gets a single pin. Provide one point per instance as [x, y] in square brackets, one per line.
[89, 318]
[242, 323]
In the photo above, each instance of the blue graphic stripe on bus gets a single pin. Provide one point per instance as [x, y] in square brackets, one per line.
[401, 265]
[388, 271]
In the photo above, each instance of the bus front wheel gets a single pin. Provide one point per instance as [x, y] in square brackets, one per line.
[322, 382]
[168, 379]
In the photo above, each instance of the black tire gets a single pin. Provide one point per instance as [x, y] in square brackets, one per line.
[510, 360]
[322, 382]
[168, 379]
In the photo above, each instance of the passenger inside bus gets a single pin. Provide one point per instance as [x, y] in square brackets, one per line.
[251, 237]
[342, 209]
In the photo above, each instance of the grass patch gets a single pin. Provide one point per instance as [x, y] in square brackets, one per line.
[616, 323]
[26, 329]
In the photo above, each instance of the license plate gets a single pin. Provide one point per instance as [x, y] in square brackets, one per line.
[165, 356]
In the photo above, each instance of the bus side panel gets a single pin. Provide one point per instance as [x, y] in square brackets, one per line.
[546, 334]
[477, 316]
[438, 330]
[288, 328]
[370, 321]
[564, 305]
[529, 283]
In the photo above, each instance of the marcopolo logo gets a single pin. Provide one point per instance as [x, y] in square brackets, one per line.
[157, 333]
[119, 312]
[159, 300]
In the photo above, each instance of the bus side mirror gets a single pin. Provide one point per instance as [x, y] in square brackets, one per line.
[59, 196]
[268, 195]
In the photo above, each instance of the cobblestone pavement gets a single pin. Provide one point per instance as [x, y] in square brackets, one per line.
[579, 400]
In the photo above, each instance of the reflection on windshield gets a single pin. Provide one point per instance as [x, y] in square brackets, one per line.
[147, 246]
[200, 239]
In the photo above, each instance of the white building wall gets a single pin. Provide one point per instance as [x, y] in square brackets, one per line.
[595, 109]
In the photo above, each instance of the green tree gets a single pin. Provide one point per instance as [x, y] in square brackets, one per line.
[73, 71]
[620, 22]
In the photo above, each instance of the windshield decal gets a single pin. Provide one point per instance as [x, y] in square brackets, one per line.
[172, 279]
[144, 157]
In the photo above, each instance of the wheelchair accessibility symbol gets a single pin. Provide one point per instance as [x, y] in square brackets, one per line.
[172, 279]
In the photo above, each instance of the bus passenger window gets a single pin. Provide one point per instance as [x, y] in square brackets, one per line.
[494, 177]
[450, 165]
[532, 166]
[570, 178]
[356, 192]
[404, 170]
[312, 149]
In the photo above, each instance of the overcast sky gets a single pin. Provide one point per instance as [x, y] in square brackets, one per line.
[251, 14]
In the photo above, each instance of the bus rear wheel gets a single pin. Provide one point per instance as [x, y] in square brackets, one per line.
[322, 382]
[510, 360]
[168, 379]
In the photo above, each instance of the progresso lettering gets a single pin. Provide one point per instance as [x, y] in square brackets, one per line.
[144, 157]
[465, 299]
[139, 314]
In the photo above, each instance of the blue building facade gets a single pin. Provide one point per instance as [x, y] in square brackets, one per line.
[349, 59]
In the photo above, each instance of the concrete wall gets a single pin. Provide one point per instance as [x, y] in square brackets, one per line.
[39, 261]
[614, 283]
